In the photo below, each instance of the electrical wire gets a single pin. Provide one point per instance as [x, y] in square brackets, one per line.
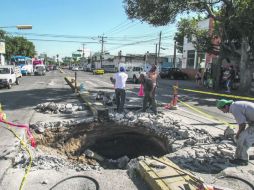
[116, 27]
[241, 179]
[67, 41]
[52, 35]
[78, 176]
[125, 28]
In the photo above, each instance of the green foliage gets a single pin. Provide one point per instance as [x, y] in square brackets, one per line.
[163, 12]
[202, 39]
[234, 19]
[17, 45]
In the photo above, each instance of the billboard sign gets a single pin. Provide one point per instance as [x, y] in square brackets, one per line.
[76, 55]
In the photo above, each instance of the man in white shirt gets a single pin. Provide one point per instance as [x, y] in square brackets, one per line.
[119, 80]
[243, 113]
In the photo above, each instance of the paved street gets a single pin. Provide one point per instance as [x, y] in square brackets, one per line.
[164, 93]
[20, 101]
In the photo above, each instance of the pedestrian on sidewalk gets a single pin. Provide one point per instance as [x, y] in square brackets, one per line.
[229, 77]
[149, 93]
[119, 81]
[153, 75]
[243, 112]
[198, 77]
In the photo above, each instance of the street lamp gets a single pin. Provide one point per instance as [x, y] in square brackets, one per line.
[2, 44]
[19, 27]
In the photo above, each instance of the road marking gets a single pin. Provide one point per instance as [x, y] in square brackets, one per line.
[91, 83]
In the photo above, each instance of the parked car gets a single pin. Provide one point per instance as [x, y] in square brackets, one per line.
[98, 71]
[75, 68]
[39, 70]
[173, 73]
[55, 67]
[134, 73]
[8, 77]
[164, 72]
[49, 68]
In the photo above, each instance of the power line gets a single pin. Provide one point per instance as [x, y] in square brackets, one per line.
[52, 35]
[119, 25]
[66, 41]
[124, 28]
[135, 43]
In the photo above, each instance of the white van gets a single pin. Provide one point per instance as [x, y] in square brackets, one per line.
[39, 70]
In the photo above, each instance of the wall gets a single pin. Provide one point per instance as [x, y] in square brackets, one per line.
[2, 59]
[205, 24]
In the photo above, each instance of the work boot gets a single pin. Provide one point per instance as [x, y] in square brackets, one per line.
[239, 162]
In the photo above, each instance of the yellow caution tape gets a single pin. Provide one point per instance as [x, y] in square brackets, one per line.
[24, 145]
[207, 115]
[217, 94]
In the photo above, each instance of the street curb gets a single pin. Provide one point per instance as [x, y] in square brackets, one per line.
[71, 82]
[96, 107]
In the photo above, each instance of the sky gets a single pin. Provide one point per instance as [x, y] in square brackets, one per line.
[62, 26]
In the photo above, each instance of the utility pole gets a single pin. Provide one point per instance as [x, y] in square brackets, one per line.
[57, 60]
[146, 61]
[174, 57]
[83, 51]
[156, 54]
[102, 46]
[159, 47]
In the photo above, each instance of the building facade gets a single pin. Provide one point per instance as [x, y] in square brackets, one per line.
[193, 59]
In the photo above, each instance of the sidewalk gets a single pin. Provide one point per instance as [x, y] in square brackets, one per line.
[193, 86]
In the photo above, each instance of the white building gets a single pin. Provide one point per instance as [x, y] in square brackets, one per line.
[191, 57]
[2, 52]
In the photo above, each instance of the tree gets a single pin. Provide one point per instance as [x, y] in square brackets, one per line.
[17, 45]
[201, 38]
[234, 20]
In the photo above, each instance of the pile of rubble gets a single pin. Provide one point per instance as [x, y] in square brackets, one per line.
[54, 108]
[43, 161]
[189, 147]
[40, 126]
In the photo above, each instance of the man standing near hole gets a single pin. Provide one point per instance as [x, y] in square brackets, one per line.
[153, 75]
[243, 112]
[119, 81]
[149, 93]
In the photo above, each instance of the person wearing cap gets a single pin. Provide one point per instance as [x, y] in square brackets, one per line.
[243, 112]
[148, 90]
[119, 81]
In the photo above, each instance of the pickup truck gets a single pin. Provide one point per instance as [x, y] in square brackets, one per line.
[134, 72]
[8, 76]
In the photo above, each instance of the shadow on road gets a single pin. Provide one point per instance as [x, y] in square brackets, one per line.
[17, 100]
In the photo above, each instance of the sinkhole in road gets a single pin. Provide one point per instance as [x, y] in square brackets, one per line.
[108, 140]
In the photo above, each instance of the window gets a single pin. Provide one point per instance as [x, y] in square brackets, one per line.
[4, 71]
[137, 69]
[189, 38]
[190, 58]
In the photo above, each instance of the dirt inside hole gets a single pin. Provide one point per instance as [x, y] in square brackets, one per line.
[108, 140]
